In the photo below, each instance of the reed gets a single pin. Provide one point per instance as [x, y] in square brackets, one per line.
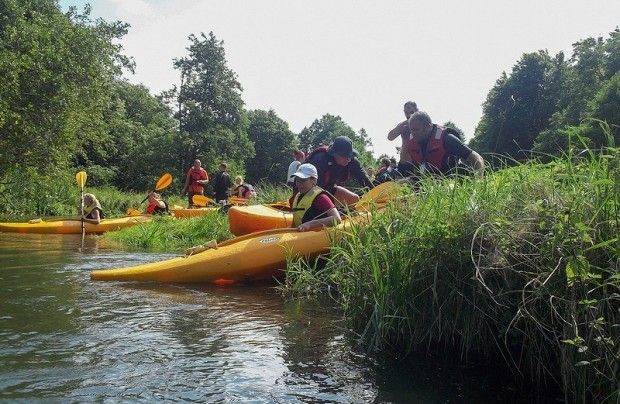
[522, 265]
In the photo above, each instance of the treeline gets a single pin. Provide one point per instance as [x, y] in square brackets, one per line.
[549, 102]
[65, 107]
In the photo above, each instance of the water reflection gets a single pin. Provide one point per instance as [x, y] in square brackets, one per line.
[67, 338]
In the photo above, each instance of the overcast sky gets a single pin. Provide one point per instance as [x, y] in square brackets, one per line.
[358, 59]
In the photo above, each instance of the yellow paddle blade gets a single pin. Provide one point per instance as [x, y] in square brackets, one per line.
[81, 178]
[201, 200]
[163, 182]
[133, 212]
[379, 194]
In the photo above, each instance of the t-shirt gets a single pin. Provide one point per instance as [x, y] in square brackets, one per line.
[292, 169]
[323, 203]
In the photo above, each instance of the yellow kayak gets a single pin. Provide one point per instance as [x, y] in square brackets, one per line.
[252, 218]
[249, 219]
[253, 257]
[72, 226]
[193, 212]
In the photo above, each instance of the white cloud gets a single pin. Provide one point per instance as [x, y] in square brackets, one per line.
[132, 7]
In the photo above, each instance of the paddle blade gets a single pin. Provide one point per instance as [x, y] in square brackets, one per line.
[201, 200]
[163, 182]
[380, 194]
[133, 212]
[80, 178]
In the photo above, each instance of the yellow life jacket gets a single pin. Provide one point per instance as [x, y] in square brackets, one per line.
[301, 205]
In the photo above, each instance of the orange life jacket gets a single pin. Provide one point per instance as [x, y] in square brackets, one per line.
[195, 175]
[436, 154]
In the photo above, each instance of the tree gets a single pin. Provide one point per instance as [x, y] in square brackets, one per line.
[212, 120]
[323, 131]
[55, 69]
[518, 108]
[274, 144]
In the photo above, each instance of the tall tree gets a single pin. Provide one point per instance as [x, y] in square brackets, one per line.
[55, 69]
[274, 144]
[212, 121]
[518, 108]
[323, 131]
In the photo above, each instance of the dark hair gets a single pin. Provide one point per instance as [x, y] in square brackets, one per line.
[421, 117]
[385, 162]
[411, 104]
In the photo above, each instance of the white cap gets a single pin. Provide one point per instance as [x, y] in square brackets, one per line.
[306, 171]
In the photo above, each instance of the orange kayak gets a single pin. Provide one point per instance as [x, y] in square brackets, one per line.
[193, 212]
[252, 218]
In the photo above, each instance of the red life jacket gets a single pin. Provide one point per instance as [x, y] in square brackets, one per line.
[436, 154]
[195, 175]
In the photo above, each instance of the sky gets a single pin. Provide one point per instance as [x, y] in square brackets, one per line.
[359, 59]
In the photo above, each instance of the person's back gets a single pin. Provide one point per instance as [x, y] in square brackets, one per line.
[335, 165]
[222, 183]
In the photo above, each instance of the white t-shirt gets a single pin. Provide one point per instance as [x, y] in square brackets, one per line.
[292, 168]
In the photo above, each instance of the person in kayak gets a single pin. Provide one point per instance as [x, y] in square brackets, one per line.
[435, 149]
[335, 165]
[195, 180]
[312, 207]
[242, 189]
[92, 209]
[156, 206]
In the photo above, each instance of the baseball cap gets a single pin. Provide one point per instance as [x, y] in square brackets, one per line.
[306, 171]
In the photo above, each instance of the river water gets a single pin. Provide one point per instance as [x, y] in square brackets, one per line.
[66, 338]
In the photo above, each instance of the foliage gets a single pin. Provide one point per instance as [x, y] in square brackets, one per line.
[55, 69]
[523, 264]
[211, 115]
[545, 100]
[138, 142]
[323, 131]
[274, 144]
[167, 234]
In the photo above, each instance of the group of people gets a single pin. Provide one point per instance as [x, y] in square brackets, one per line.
[317, 179]
[223, 187]
[427, 148]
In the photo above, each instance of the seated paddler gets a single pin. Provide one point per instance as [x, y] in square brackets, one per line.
[92, 209]
[312, 207]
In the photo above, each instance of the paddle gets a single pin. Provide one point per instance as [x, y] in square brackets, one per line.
[163, 182]
[80, 178]
[378, 195]
[202, 200]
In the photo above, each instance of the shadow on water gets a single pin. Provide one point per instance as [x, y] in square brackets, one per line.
[68, 338]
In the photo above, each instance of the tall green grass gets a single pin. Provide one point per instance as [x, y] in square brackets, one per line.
[521, 265]
[167, 234]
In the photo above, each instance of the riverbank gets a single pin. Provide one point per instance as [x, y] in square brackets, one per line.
[521, 266]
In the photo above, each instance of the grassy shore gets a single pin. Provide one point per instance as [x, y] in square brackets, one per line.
[521, 266]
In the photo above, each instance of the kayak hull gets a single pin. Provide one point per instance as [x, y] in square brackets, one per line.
[73, 226]
[254, 257]
[249, 219]
[193, 212]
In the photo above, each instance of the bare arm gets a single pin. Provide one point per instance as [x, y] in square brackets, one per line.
[95, 219]
[475, 161]
[398, 130]
[332, 219]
